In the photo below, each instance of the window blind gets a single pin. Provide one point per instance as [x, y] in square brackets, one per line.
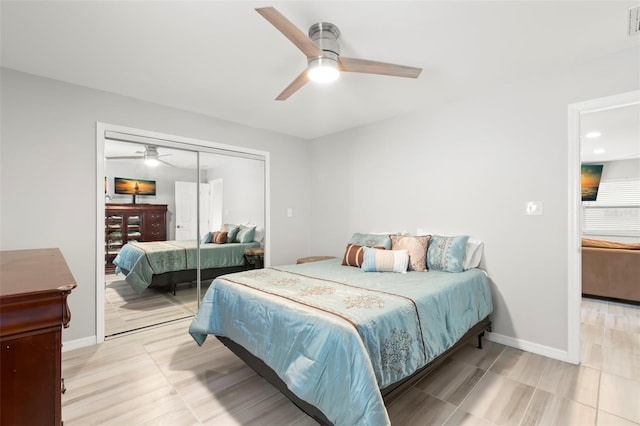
[617, 210]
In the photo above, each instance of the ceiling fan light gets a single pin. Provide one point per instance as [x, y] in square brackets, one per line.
[323, 70]
[151, 162]
[151, 156]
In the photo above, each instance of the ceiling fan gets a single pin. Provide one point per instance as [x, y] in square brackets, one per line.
[323, 54]
[150, 156]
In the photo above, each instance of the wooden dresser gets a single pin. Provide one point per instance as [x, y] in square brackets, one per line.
[33, 309]
[132, 222]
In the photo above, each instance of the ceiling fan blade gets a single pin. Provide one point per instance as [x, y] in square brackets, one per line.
[126, 157]
[295, 85]
[168, 164]
[293, 33]
[374, 67]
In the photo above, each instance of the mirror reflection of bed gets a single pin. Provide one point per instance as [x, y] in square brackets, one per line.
[231, 192]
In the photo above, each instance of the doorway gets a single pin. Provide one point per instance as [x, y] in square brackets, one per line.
[576, 114]
[206, 164]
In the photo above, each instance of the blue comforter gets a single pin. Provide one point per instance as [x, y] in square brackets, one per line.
[336, 335]
[140, 261]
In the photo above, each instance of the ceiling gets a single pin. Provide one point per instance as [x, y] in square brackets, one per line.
[222, 59]
[618, 136]
[170, 157]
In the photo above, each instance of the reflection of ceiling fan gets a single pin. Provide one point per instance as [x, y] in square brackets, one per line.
[323, 54]
[150, 156]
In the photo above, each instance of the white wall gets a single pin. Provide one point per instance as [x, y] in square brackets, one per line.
[470, 167]
[243, 190]
[48, 173]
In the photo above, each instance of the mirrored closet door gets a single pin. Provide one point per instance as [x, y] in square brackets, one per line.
[163, 204]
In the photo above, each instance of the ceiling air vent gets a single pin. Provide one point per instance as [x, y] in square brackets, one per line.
[634, 21]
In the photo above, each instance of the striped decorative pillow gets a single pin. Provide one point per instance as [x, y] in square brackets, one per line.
[353, 255]
[375, 260]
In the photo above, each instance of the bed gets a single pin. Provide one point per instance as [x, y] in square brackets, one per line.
[167, 263]
[339, 342]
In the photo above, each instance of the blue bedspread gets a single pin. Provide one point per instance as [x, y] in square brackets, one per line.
[140, 261]
[336, 335]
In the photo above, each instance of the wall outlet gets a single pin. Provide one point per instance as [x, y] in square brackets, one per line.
[534, 208]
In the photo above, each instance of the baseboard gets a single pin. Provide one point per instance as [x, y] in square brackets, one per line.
[79, 343]
[525, 345]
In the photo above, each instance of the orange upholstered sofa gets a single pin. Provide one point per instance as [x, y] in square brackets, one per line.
[611, 269]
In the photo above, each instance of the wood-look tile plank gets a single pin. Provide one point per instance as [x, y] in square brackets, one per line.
[452, 381]
[619, 396]
[523, 367]
[625, 309]
[606, 419]
[481, 358]
[549, 409]
[218, 360]
[462, 418]
[623, 340]
[591, 355]
[623, 322]
[498, 399]
[273, 410]
[594, 318]
[592, 333]
[109, 401]
[621, 362]
[417, 408]
[212, 401]
[574, 382]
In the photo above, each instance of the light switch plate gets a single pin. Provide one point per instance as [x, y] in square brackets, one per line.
[534, 208]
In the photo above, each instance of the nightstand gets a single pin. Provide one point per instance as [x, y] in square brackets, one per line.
[254, 258]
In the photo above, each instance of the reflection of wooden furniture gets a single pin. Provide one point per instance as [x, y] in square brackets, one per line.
[33, 309]
[132, 222]
[313, 259]
[254, 257]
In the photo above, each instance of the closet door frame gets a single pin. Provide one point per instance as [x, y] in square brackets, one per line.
[169, 141]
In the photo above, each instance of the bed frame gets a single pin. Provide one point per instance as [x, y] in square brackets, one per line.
[389, 394]
[171, 279]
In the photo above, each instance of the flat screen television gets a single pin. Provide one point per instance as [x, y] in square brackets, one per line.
[590, 175]
[134, 186]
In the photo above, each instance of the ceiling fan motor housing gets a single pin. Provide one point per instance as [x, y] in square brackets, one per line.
[151, 152]
[325, 35]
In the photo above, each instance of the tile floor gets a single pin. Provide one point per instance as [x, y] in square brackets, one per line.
[126, 310]
[160, 376]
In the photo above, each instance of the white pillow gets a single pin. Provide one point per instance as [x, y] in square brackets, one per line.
[473, 255]
[473, 250]
[259, 233]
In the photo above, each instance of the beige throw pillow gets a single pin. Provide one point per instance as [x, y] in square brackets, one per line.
[416, 246]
